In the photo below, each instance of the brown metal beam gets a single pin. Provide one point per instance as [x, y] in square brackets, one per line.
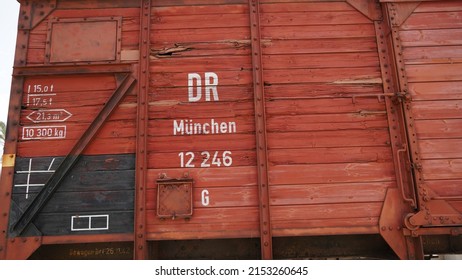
[260, 132]
[141, 248]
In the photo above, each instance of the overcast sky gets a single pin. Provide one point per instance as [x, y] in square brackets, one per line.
[9, 11]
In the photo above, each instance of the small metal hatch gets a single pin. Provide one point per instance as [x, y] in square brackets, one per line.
[174, 198]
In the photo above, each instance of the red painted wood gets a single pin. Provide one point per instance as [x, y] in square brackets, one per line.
[172, 159]
[269, 6]
[442, 169]
[324, 139]
[439, 6]
[438, 19]
[311, 194]
[329, 155]
[438, 129]
[331, 173]
[448, 90]
[441, 148]
[318, 45]
[451, 109]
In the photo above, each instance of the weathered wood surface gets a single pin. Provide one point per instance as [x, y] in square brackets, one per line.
[97, 185]
[199, 37]
[324, 146]
[432, 39]
[68, 104]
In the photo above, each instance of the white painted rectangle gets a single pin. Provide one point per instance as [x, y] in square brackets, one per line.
[44, 132]
[89, 222]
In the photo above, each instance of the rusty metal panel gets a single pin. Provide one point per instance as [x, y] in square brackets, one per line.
[174, 198]
[84, 40]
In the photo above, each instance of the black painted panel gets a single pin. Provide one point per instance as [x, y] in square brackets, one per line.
[96, 187]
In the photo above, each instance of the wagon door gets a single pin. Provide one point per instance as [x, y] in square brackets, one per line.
[427, 43]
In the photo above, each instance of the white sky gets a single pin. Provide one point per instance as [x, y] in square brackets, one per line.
[9, 11]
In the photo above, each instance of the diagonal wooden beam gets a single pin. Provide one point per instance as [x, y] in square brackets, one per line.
[53, 183]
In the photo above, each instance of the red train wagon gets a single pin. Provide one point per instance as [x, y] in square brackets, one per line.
[234, 129]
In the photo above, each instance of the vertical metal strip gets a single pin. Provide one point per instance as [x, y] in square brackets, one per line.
[406, 100]
[398, 110]
[260, 127]
[140, 245]
[395, 115]
[12, 133]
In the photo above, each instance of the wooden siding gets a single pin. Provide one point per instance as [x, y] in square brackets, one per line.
[432, 38]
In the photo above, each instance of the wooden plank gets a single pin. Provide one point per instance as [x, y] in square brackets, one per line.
[329, 226]
[442, 169]
[200, 64]
[438, 20]
[163, 3]
[436, 90]
[318, 45]
[316, 32]
[217, 197]
[202, 143]
[446, 187]
[206, 177]
[84, 164]
[434, 72]
[326, 139]
[441, 148]
[182, 36]
[439, 129]
[203, 231]
[200, 10]
[366, 75]
[219, 20]
[76, 182]
[295, 213]
[180, 94]
[314, 122]
[88, 11]
[62, 147]
[172, 159]
[212, 216]
[201, 49]
[432, 55]
[431, 110]
[331, 173]
[166, 127]
[303, 6]
[173, 109]
[324, 106]
[307, 18]
[328, 193]
[290, 61]
[96, 4]
[319, 90]
[87, 201]
[439, 6]
[328, 155]
[432, 37]
[226, 78]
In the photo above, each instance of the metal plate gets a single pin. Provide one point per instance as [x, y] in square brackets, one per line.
[174, 198]
[84, 40]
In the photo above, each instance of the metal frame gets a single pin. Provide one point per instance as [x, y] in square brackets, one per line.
[140, 246]
[260, 132]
